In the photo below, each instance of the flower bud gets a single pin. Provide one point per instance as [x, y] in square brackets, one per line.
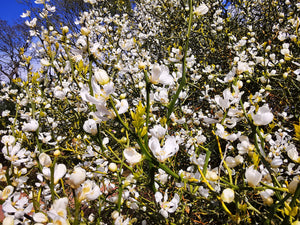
[45, 160]
[7, 191]
[253, 177]
[56, 153]
[85, 31]
[201, 10]
[9, 220]
[65, 29]
[101, 76]
[141, 65]
[228, 195]
[77, 177]
[112, 167]
[293, 185]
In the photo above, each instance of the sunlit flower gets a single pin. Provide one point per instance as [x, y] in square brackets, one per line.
[8, 139]
[40, 218]
[266, 196]
[113, 167]
[160, 74]
[7, 191]
[8, 220]
[293, 153]
[132, 156]
[45, 160]
[90, 1]
[45, 62]
[77, 177]
[166, 206]
[59, 171]
[17, 205]
[201, 10]
[39, 1]
[245, 146]
[263, 116]
[253, 177]
[15, 154]
[31, 23]
[227, 195]
[169, 149]
[101, 76]
[293, 185]
[158, 131]
[122, 106]
[24, 15]
[90, 126]
[88, 190]
[32, 126]
[58, 210]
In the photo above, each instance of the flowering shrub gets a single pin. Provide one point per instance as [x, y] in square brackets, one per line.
[174, 112]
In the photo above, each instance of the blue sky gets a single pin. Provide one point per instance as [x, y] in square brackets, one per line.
[11, 10]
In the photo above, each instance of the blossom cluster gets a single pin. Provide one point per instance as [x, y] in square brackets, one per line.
[141, 118]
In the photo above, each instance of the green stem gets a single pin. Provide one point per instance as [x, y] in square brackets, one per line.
[120, 185]
[207, 157]
[77, 210]
[148, 87]
[183, 79]
[119, 117]
[52, 179]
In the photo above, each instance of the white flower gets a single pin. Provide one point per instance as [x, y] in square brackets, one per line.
[32, 126]
[168, 150]
[9, 220]
[77, 177]
[293, 185]
[24, 15]
[224, 102]
[253, 177]
[59, 209]
[101, 76]
[15, 154]
[40, 218]
[32, 23]
[88, 190]
[65, 29]
[166, 207]
[45, 160]
[45, 62]
[222, 133]
[7, 191]
[201, 10]
[263, 116]
[245, 146]
[122, 106]
[212, 175]
[158, 131]
[90, 126]
[59, 171]
[90, 1]
[243, 67]
[17, 205]
[132, 156]
[230, 161]
[160, 74]
[39, 1]
[59, 92]
[5, 113]
[8, 139]
[113, 167]
[227, 195]
[293, 153]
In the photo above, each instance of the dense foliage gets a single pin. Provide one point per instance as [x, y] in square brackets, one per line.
[156, 112]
